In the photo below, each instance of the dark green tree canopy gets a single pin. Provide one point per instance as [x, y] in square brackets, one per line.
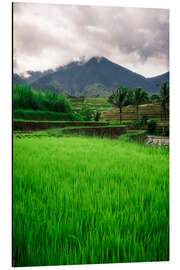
[164, 93]
[164, 98]
[140, 96]
[120, 97]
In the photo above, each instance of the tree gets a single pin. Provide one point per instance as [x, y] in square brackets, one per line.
[24, 97]
[97, 116]
[86, 112]
[154, 98]
[140, 97]
[119, 99]
[164, 98]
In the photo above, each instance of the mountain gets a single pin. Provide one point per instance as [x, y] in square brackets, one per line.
[32, 76]
[96, 77]
[18, 79]
[157, 81]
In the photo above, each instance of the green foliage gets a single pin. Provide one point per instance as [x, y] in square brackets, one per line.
[140, 123]
[45, 115]
[81, 201]
[128, 137]
[130, 98]
[136, 125]
[120, 98]
[166, 131]
[77, 117]
[26, 98]
[97, 116]
[86, 112]
[140, 96]
[152, 126]
[154, 98]
[54, 132]
[144, 120]
[125, 122]
[164, 92]
[164, 98]
[125, 97]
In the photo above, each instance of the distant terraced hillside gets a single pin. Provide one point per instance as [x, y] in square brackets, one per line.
[97, 104]
[111, 113]
[129, 112]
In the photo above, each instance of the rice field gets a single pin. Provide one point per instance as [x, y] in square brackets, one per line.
[97, 104]
[80, 200]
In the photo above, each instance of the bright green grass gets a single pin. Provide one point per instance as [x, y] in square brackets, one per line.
[89, 200]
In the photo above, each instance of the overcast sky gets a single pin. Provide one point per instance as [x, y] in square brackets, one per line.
[49, 36]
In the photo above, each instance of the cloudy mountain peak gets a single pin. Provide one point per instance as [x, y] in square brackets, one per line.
[96, 77]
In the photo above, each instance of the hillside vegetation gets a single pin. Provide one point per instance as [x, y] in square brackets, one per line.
[129, 112]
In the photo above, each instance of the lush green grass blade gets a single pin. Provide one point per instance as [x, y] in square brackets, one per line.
[89, 200]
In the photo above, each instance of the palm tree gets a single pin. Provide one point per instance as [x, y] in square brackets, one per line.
[164, 97]
[140, 97]
[154, 98]
[119, 99]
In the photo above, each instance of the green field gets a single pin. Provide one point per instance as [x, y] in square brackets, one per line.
[80, 200]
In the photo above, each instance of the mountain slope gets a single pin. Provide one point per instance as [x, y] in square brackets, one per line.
[18, 80]
[157, 81]
[96, 77]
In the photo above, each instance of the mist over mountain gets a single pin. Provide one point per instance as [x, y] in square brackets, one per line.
[18, 79]
[96, 77]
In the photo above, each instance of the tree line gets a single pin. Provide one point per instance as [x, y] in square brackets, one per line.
[24, 97]
[124, 96]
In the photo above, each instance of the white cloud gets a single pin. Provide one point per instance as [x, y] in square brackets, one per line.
[47, 36]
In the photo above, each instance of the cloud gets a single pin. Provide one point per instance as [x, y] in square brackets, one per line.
[47, 36]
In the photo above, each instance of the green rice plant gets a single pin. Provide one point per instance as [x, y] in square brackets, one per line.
[54, 132]
[122, 122]
[80, 200]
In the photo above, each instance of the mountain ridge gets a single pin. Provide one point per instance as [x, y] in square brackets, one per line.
[97, 75]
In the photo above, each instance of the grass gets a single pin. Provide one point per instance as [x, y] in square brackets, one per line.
[122, 122]
[84, 200]
[61, 122]
[44, 115]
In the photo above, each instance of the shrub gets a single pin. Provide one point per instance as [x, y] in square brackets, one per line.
[166, 131]
[77, 117]
[136, 125]
[139, 124]
[127, 122]
[24, 97]
[124, 122]
[86, 112]
[97, 116]
[152, 126]
[144, 120]
[45, 115]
